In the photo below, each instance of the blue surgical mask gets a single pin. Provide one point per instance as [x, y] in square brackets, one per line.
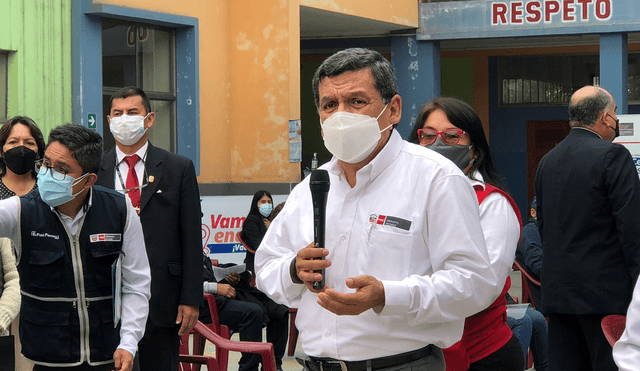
[56, 192]
[265, 209]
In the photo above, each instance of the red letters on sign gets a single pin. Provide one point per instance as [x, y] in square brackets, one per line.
[533, 11]
[568, 9]
[516, 12]
[550, 8]
[603, 9]
[499, 10]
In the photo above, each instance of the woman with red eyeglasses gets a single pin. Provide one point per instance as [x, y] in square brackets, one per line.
[452, 128]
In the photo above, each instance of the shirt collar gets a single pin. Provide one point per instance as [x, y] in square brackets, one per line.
[476, 179]
[376, 166]
[587, 129]
[141, 152]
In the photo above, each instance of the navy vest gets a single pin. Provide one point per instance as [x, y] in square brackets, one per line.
[66, 316]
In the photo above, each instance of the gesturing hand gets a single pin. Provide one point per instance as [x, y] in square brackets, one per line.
[369, 294]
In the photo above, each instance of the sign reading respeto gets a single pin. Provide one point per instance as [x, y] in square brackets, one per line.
[549, 11]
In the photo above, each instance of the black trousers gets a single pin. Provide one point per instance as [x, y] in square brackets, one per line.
[507, 358]
[159, 349]
[577, 343]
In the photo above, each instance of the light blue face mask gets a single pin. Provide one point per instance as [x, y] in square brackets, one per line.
[56, 192]
[266, 209]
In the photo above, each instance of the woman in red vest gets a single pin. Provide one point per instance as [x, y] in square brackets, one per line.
[452, 128]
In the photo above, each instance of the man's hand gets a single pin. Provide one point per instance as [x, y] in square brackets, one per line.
[226, 290]
[188, 316]
[233, 278]
[306, 264]
[123, 360]
[369, 294]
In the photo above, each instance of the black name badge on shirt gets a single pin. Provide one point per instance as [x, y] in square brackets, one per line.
[391, 221]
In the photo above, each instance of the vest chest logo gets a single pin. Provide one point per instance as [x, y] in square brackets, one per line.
[44, 235]
[106, 237]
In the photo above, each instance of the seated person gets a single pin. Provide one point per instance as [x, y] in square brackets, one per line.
[246, 309]
[531, 330]
[529, 252]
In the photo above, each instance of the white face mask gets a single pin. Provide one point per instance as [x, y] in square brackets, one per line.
[351, 137]
[127, 129]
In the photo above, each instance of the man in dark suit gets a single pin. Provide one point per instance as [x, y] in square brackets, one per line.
[163, 188]
[588, 203]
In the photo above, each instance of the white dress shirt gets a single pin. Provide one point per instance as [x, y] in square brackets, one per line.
[501, 232]
[411, 221]
[626, 352]
[136, 275]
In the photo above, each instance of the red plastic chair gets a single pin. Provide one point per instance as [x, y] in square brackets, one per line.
[189, 362]
[527, 296]
[527, 278]
[613, 326]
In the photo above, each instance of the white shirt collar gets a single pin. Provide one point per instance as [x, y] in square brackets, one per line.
[141, 152]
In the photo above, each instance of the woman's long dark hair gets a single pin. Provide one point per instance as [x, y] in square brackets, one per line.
[5, 131]
[254, 210]
[462, 115]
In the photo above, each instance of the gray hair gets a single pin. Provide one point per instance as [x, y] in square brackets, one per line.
[587, 110]
[84, 144]
[355, 59]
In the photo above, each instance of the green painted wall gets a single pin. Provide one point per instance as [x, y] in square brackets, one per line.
[457, 78]
[37, 35]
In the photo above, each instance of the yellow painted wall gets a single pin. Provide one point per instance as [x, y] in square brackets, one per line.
[249, 85]
[397, 11]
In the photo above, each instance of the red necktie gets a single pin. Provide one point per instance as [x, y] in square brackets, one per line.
[132, 181]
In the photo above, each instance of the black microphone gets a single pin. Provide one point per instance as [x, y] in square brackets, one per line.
[319, 184]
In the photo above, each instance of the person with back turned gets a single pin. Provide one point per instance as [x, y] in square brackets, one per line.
[402, 271]
[588, 198]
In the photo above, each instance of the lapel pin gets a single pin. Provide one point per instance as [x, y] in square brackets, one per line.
[151, 178]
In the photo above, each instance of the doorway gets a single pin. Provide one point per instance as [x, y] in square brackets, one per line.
[542, 137]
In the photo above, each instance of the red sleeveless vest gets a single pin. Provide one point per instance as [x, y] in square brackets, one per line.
[485, 332]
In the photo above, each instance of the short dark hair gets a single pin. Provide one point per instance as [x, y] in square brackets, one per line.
[131, 91]
[464, 117]
[5, 131]
[84, 144]
[587, 110]
[355, 59]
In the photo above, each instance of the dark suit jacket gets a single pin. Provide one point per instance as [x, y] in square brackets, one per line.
[588, 196]
[171, 222]
[253, 230]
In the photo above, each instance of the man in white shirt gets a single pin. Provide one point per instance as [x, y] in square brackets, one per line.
[70, 237]
[406, 260]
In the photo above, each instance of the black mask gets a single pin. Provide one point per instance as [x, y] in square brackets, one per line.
[617, 129]
[20, 159]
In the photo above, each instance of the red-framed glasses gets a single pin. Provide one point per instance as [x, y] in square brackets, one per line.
[449, 137]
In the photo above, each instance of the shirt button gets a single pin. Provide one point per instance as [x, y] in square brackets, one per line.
[327, 334]
[332, 285]
[342, 238]
[352, 199]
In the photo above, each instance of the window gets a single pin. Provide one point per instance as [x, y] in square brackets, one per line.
[4, 56]
[141, 55]
[545, 80]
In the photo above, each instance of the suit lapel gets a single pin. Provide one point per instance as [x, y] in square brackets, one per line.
[108, 168]
[153, 166]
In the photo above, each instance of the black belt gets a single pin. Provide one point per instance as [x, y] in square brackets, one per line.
[329, 364]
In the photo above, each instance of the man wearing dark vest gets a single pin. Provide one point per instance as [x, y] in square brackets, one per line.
[83, 267]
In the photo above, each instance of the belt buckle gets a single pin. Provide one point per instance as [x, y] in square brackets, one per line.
[343, 366]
